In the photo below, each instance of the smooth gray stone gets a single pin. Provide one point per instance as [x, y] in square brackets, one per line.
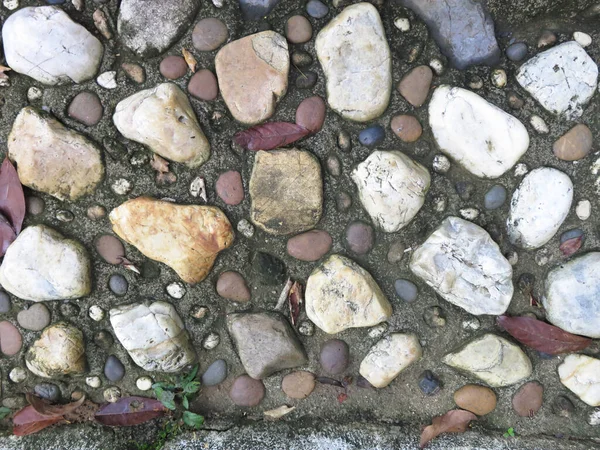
[257, 9]
[215, 374]
[495, 197]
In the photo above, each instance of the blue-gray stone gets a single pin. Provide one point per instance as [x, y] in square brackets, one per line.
[372, 136]
[47, 391]
[495, 197]
[463, 30]
[215, 374]
[114, 369]
[5, 304]
[118, 284]
[406, 290]
[257, 9]
[517, 51]
[571, 234]
[316, 9]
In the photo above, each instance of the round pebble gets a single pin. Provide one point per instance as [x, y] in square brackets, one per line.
[10, 339]
[298, 384]
[582, 39]
[396, 252]
[360, 237]
[47, 391]
[343, 201]
[176, 290]
[372, 136]
[118, 284]
[5, 303]
[306, 80]
[563, 407]
[309, 246]
[434, 317]
[316, 9]
[144, 383]
[306, 328]
[229, 187]
[499, 78]
[310, 113]
[209, 34]
[232, 286]
[528, 399]
[35, 318]
[114, 369]
[103, 339]
[429, 383]
[301, 59]
[112, 394]
[334, 166]
[211, 341]
[335, 356]
[575, 144]
[414, 86]
[471, 324]
[86, 108]
[437, 66]
[514, 101]
[407, 128]
[539, 125]
[583, 211]
[406, 290]
[495, 197]
[93, 382]
[121, 186]
[402, 23]
[110, 248]
[35, 206]
[480, 400]
[96, 212]
[108, 80]
[34, 93]
[134, 72]
[199, 312]
[64, 216]
[17, 375]
[298, 30]
[475, 82]
[203, 85]
[173, 67]
[247, 391]
[269, 270]
[517, 51]
[96, 313]
[441, 164]
[215, 374]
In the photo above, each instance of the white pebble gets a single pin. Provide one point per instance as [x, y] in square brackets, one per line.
[441, 164]
[17, 375]
[583, 209]
[437, 66]
[594, 417]
[469, 213]
[582, 39]
[34, 93]
[211, 341]
[198, 188]
[112, 394]
[440, 203]
[96, 313]
[499, 78]
[402, 23]
[378, 330]
[306, 328]
[512, 258]
[539, 125]
[176, 290]
[108, 80]
[218, 3]
[122, 186]
[11, 4]
[521, 169]
[93, 382]
[78, 4]
[144, 383]
[471, 324]
[245, 228]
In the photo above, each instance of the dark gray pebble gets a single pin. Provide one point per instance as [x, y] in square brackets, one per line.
[562, 406]
[103, 339]
[5, 304]
[571, 234]
[316, 9]
[268, 269]
[372, 136]
[118, 284]
[47, 391]
[215, 374]
[516, 52]
[335, 356]
[429, 383]
[495, 197]
[306, 80]
[406, 290]
[114, 369]
[464, 189]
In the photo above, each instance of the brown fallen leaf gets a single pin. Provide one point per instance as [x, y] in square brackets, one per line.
[454, 421]
[189, 59]
[542, 336]
[570, 246]
[159, 164]
[129, 411]
[12, 199]
[28, 421]
[279, 412]
[270, 135]
[46, 409]
[295, 302]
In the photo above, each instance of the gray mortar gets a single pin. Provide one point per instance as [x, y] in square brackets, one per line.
[367, 419]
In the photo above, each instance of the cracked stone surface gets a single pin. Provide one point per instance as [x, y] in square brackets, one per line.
[357, 63]
[478, 135]
[392, 188]
[581, 375]
[45, 44]
[562, 79]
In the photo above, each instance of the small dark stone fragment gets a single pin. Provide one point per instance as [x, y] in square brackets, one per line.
[372, 136]
[306, 79]
[104, 339]
[464, 189]
[268, 269]
[563, 407]
[47, 391]
[429, 383]
[514, 101]
[343, 201]
[525, 283]
[118, 284]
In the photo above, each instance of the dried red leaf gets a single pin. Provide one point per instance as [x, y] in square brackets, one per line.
[29, 421]
[159, 164]
[542, 336]
[270, 135]
[7, 234]
[454, 421]
[12, 199]
[46, 409]
[534, 301]
[129, 265]
[130, 411]
[295, 300]
[341, 398]
[570, 246]
[85, 413]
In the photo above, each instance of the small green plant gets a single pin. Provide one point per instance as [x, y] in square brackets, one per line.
[510, 433]
[4, 412]
[168, 431]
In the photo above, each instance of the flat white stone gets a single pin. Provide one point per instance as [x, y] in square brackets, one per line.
[356, 59]
[479, 136]
[462, 263]
[563, 79]
[493, 359]
[392, 188]
[582, 38]
[45, 44]
[538, 207]
[581, 375]
[583, 209]
[572, 295]
[108, 80]
[388, 357]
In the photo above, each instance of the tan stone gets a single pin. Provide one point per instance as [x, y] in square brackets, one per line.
[53, 159]
[286, 190]
[575, 144]
[253, 75]
[480, 400]
[414, 86]
[163, 119]
[185, 237]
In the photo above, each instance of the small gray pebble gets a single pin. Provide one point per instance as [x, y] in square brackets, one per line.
[396, 252]
[114, 369]
[5, 304]
[344, 141]
[306, 80]
[495, 197]
[118, 284]
[103, 339]
[571, 234]
[48, 391]
[406, 290]
[335, 356]
[35, 205]
[316, 9]
[215, 374]
[516, 52]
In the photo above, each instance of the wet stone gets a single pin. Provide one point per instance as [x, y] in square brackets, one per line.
[575, 144]
[298, 30]
[516, 51]
[86, 108]
[209, 34]
[335, 356]
[269, 269]
[35, 318]
[528, 399]
[114, 369]
[215, 373]
[309, 246]
[495, 197]
[372, 136]
[429, 383]
[246, 391]
[415, 85]
[480, 400]
[232, 286]
[406, 290]
[118, 284]
[173, 67]
[306, 80]
[47, 391]
[203, 85]
[35, 205]
[229, 187]
[311, 113]
[10, 339]
[316, 9]
[406, 127]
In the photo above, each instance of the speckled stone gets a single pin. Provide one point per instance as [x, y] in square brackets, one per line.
[86, 108]
[209, 34]
[173, 67]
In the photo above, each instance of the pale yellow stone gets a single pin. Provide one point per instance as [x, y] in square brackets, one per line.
[581, 375]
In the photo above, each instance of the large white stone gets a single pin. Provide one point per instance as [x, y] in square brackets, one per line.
[462, 263]
[388, 357]
[538, 207]
[356, 59]
[340, 294]
[479, 136]
[154, 336]
[563, 79]
[41, 264]
[581, 375]
[572, 295]
[392, 188]
[45, 44]
[163, 119]
[493, 359]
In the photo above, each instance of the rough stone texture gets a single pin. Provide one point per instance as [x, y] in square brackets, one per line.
[265, 343]
[185, 237]
[253, 75]
[340, 295]
[286, 189]
[462, 263]
[153, 335]
[392, 188]
[563, 79]
[479, 136]
[572, 295]
[390, 356]
[538, 207]
[163, 119]
[581, 375]
[45, 44]
[462, 28]
[493, 359]
[356, 59]
[59, 351]
[71, 170]
[149, 27]
[41, 264]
